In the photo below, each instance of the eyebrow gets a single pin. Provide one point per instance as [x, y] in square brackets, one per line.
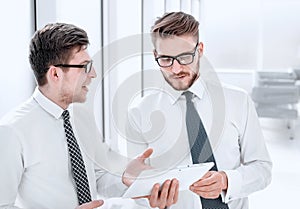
[85, 61]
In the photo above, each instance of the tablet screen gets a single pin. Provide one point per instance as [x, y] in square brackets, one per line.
[186, 175]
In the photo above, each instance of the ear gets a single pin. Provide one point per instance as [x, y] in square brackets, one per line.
[54, 74]
[200, 48]
[154, 52]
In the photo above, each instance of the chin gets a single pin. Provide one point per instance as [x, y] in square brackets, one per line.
[180, 86]
[81, 99]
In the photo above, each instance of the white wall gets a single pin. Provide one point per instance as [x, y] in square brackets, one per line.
[119, 24]
[251, 34]
[82, 14]
[16, 80]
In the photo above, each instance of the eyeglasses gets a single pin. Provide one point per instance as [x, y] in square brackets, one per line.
[88, 66]
[183, 59]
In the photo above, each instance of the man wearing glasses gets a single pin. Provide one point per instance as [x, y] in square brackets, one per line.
[40, 155]
[43, 162]
[188, 131]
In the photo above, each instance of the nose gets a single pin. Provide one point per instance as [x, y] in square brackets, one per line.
[176, 67]
[93, 73]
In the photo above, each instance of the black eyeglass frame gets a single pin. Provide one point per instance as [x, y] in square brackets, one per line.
[175, 57]
[87, 70]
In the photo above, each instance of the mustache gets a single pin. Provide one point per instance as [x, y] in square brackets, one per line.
[180, 74]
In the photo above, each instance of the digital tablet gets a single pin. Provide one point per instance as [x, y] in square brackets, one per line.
[186, 175]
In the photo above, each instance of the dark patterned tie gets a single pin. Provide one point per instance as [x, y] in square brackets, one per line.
[77, 164]
[201, 150]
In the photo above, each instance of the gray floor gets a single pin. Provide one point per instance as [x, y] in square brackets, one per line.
[284, 190]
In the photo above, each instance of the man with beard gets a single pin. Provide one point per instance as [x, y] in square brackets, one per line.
[198, 120]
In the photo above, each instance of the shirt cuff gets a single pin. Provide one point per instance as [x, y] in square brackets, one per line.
[234, 180]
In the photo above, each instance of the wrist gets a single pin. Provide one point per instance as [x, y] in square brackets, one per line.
[127, 180]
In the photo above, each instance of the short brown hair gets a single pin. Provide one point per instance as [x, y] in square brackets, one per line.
[175, 24]
[52, 45]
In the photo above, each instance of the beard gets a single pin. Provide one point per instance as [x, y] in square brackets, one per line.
[182, 80]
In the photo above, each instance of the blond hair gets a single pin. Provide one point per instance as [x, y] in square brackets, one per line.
[175, 24]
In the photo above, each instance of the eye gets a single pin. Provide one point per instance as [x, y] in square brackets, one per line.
[165, 59]
[184, 59]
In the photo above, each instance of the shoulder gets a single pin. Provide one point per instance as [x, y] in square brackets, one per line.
[18, 124]
[234, 91]
[235, 96]
[223, 92]
[150, 99]
[24, 113]
[233, 100]
[238, 102]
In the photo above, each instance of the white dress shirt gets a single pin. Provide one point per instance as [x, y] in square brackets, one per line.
[232, 125]
[35, 170]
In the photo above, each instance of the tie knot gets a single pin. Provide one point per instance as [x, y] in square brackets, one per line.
[188, 95]
[65, 115]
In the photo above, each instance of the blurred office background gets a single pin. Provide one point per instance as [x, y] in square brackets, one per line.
[243, 40]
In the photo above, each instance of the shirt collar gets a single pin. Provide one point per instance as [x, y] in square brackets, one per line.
[49, 106]
[197, 89]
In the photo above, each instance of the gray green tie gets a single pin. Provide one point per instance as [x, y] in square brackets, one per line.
[201, 150]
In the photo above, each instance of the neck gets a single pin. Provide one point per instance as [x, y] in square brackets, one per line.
[54, 96]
